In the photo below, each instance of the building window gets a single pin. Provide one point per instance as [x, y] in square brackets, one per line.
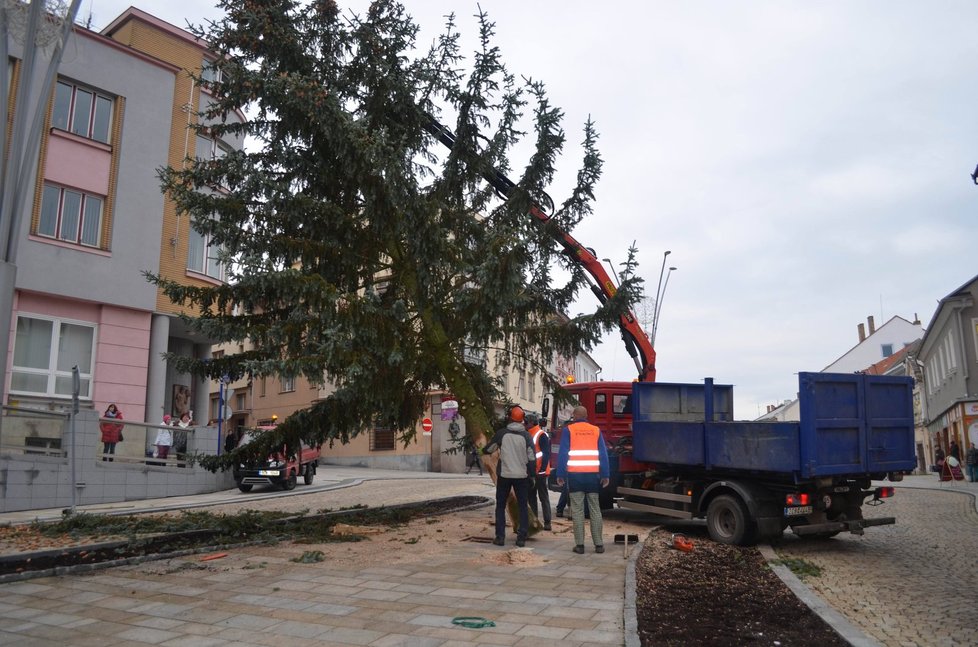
[71, 216]
[203, 257]
[82, 112]
[288, 384]
[45, 351]
[210, 73]
[600, 403]
[952, 357]
[210, 148]
[239, 402]
[382, 439]
[887, 349]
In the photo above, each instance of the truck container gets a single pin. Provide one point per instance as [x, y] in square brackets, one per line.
[753, 480]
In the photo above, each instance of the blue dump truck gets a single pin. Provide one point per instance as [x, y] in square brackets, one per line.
[753, 480]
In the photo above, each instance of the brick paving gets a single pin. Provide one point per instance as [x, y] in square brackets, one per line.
[903, 585]
[910, 584]
[258, 596]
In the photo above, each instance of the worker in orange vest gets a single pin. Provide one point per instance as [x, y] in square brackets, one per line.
[583, 465]
[541, 447]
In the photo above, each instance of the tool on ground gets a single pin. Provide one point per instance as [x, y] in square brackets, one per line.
[626, 539]
[682, 543]
[472, 622]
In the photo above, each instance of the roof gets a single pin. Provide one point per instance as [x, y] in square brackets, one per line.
[886, 365]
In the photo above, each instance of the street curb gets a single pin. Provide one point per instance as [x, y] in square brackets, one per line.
[630, 619]
[849, 632]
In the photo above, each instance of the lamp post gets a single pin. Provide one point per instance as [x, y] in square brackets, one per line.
[613, 272]
[658, 294]
[658, 305]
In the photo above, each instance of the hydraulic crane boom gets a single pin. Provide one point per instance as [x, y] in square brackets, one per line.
[636, 341]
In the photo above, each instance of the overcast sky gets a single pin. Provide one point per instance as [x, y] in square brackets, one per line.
[805, 163]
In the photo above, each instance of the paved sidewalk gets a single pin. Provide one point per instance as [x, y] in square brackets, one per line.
[541, 595]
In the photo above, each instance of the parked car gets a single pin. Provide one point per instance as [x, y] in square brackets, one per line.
[282, 468]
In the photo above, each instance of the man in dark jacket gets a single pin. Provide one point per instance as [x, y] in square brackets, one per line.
[516, 467]
[971, 461]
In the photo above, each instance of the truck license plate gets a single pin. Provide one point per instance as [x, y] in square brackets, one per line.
[267, 472]
[799, 510]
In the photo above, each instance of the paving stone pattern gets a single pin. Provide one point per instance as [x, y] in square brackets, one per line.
[258, 596]
[910, 584]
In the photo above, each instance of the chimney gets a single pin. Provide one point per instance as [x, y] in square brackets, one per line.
[862, 333]
[872, 324]
[916, 319]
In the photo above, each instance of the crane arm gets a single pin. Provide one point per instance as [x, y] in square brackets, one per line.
[636, 340]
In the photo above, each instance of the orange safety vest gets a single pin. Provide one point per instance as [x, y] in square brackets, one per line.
[537, 432]
[583, 456]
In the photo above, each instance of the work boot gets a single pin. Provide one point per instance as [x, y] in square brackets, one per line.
[579, 549]
[547, 526]
[520, 543]
[599, 549]
[499, 541]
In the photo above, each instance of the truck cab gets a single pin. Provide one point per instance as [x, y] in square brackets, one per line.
[281, 469]
[609, 407]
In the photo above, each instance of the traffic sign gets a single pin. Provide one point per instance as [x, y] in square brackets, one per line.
[426, 426]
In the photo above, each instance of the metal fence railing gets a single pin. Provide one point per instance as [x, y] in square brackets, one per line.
[139, 444]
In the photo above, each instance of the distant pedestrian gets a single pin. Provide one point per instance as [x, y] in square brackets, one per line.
[111, 431]
[955, 450]
[583, 465]
[971, 462]
[939, 458]
[472, 457]
[164, 438]
[515, 470]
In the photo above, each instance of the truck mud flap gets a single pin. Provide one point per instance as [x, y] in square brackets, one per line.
[855, 526]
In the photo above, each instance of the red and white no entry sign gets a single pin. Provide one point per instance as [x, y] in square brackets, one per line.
[426, 425]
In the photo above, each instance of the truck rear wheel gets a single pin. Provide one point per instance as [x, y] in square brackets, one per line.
[309, 474]
[290, 481]
[245, 487]
[728, 521]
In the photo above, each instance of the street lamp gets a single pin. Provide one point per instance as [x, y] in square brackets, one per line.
[613, 272]
[658, 294]
[658, 305]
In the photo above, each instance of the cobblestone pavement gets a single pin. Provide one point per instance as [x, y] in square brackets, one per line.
[909, 584]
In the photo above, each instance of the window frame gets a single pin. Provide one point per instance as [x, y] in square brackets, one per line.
[81, 217]
[64, 117]
[383, 439]
[217, 270]
[52, 373]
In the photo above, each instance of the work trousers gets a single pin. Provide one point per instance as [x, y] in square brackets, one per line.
[577, 500]
[519, 488]
[542, 493]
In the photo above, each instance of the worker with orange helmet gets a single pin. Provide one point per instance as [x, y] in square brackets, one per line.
[515, 470]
